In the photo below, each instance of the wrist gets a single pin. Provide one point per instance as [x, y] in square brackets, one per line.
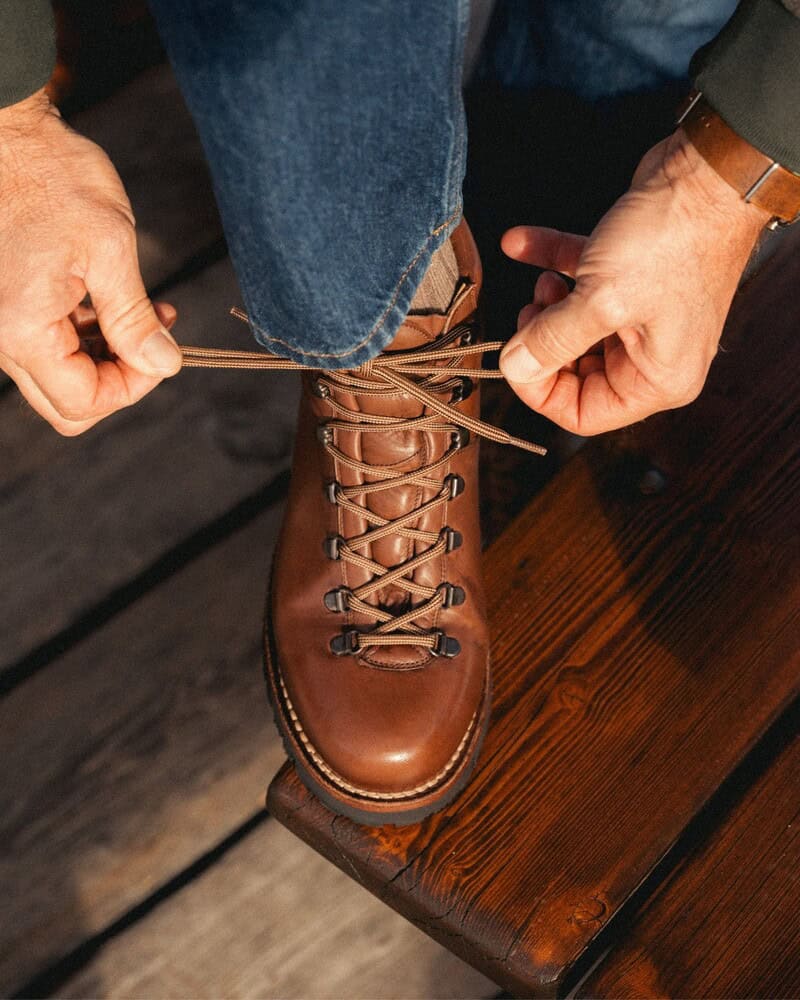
[26, 115]
[688, 171]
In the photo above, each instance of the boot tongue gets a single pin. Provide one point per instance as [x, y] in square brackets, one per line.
[405, 451]
[402, 451]
[417, 329]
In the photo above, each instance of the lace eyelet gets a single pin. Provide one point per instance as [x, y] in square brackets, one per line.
[446, 645]
[332, 545]
[331, 491]
[462, 391]
[346, 643]
[455, 485]
[459, 438]
[452, 595]
[337, 600]
[324, 434]
[453, 539]
[320, 389]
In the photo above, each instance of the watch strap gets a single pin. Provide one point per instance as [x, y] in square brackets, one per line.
[758, 179]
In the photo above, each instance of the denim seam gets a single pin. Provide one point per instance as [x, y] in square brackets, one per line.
[455, 163]
[376, 329]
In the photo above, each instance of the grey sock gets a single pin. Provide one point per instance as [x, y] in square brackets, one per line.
[435, 291]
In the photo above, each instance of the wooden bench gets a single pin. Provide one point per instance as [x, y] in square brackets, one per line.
[645, 615]
[725, 924]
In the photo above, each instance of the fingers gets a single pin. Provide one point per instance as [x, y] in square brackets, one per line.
[78, 387]
[579, 399]
[558, 338]
[84, 319]
[126, 316]
[553, 337]
[545, 248]
[42, 405]
[70, 389]
[549, 289]
[597, 391]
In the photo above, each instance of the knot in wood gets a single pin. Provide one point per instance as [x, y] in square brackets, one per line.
[591, 911]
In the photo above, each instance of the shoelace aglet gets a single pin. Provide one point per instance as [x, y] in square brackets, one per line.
[535, 449]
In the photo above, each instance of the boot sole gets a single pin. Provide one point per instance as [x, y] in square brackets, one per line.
[365, 810]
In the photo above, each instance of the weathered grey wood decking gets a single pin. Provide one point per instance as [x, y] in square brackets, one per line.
[134, 732]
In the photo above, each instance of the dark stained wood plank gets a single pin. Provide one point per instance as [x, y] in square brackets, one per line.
[645, 616]
[725, 924]
[135, 753]
[273, 919]
[80, 516]
[510, 477]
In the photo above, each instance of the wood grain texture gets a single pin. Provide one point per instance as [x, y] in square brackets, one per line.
[133, 754]
[645, 614]
[272, 919]
[80, 516]
[725, 924]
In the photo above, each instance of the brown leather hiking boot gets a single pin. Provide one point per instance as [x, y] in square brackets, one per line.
[377, 653]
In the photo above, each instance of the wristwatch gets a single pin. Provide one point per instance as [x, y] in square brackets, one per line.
[756, 177]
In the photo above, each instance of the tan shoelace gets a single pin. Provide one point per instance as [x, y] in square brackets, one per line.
[417, 373]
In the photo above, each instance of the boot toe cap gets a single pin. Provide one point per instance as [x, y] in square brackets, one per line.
[397, 733]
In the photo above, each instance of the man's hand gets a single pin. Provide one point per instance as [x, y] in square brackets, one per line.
[67, 230]
[653, 285]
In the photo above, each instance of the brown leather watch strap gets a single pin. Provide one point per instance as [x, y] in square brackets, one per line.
[756, 177]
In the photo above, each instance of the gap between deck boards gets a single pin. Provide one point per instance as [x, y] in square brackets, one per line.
[161, 569]
[50, 981]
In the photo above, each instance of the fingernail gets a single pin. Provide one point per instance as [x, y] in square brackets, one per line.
[519, 365]
[161, 352]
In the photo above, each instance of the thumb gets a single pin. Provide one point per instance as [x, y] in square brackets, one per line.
[558, 335]
[127, 318]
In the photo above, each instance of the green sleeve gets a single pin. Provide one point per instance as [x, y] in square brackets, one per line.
[27, 48]
[750, 74]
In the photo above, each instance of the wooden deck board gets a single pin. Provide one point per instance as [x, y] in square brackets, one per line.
[645, 616]
[134, 754]
[80, 516]
[273, 919]
[725, 924]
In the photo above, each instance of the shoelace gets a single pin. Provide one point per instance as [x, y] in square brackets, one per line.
[425, 373]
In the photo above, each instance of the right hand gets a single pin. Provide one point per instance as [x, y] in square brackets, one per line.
[653, 285]
[67, 230]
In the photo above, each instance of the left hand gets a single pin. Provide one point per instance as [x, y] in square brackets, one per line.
[653, 285]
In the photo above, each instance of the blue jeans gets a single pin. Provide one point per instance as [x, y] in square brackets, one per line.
[599, 48]
[336, 137]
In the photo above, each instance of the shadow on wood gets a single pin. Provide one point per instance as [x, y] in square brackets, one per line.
[725, 924]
